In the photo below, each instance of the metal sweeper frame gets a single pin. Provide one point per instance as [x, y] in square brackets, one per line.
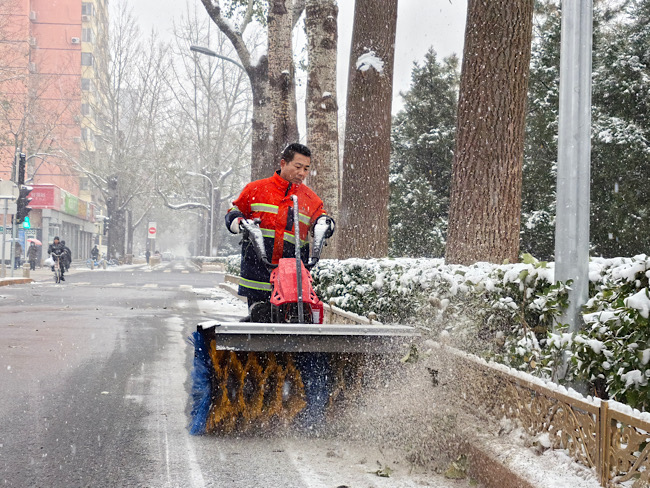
[290, 369]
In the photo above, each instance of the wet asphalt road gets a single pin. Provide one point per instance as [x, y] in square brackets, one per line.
[94, 375]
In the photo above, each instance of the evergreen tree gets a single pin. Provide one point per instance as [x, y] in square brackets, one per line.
[621, 134]
[540, 149]
[422, 153]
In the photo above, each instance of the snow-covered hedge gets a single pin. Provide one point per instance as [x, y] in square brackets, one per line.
[478, 305]
[507, 313]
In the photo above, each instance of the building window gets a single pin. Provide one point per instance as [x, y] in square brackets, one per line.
[85, 84]
[87, 8]
[85, 109]
[86, 59]
[87, 35]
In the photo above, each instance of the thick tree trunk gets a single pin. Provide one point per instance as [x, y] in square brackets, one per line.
[282, 89]
[485, 205]
[262, 163]
[363, 217]
[322, 107]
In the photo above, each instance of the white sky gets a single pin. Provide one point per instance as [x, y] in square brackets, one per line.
[420, 25]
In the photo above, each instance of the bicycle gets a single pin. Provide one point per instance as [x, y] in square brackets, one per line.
[58, 271]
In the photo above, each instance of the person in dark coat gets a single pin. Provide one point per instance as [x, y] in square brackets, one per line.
[18, 254]
[32, 256]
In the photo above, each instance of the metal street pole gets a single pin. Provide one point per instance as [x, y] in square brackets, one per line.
[8, 191]
[211, 229]
[3, 272]
[574, 155]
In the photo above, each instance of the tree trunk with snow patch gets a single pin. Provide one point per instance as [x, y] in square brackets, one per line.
[282, 87]
[363, 218]
[322, 107]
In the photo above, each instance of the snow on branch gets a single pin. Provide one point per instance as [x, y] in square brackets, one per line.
[182, 206]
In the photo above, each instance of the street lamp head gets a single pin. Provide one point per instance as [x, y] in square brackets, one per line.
[203, 50]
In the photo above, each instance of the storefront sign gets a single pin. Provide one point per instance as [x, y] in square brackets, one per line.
[44, 197]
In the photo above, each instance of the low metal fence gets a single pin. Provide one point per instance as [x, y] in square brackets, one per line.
[607, 436]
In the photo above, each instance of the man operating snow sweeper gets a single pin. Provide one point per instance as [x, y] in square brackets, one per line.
[268, 202]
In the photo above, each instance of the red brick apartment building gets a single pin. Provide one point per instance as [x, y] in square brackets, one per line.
[47, 71]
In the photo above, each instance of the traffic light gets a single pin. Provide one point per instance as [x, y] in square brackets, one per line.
[22, 203]
[22, 163]
[106, 225]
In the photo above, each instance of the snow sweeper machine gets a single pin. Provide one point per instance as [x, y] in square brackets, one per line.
[288, 366]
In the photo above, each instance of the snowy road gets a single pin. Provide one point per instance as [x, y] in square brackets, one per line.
[94, 375]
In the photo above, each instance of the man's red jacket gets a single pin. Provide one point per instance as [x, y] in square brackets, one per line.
[269, 200]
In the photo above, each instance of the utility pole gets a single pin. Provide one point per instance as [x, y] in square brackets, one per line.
[573, 162]
[574, 156]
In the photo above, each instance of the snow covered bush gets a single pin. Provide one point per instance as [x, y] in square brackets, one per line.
[485, 308]
[614, 348]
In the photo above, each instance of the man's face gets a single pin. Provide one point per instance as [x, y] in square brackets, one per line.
[56, 241]
[295, 171]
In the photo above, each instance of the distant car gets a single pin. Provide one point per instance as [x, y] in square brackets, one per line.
[167, 256]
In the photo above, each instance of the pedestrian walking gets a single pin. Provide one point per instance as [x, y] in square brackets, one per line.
[18, 254]
[32, 255]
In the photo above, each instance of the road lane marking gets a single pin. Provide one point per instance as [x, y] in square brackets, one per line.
[151, 285]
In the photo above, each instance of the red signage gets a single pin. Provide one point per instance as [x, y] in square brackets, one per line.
[152, 230]
[44, 197]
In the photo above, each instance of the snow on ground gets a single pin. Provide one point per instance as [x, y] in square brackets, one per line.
[220, 304]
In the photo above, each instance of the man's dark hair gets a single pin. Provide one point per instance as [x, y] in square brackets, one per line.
[290, 151]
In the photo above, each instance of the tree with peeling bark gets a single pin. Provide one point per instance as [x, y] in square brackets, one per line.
[282, 87]
[485, 204]
[266, 104]
[363, 217]
[322, 108]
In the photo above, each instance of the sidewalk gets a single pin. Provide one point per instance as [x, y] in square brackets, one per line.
[38, 275]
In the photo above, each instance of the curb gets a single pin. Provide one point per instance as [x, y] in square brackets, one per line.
[491, 472]
[15, 281]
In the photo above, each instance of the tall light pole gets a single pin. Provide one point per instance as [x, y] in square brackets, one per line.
[574, 156]
[192, 173]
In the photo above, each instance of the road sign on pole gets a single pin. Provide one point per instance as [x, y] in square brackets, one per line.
[152, 230]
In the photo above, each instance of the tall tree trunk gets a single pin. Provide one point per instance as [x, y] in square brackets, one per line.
[129, 232]
[322, 107]
[485, 204]
[281, 79]
[262, 165]
[363, 218]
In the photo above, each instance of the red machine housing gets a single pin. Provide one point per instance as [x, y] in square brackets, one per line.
[285, 289]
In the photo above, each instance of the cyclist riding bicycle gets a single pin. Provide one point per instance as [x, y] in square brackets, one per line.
[57, 251]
